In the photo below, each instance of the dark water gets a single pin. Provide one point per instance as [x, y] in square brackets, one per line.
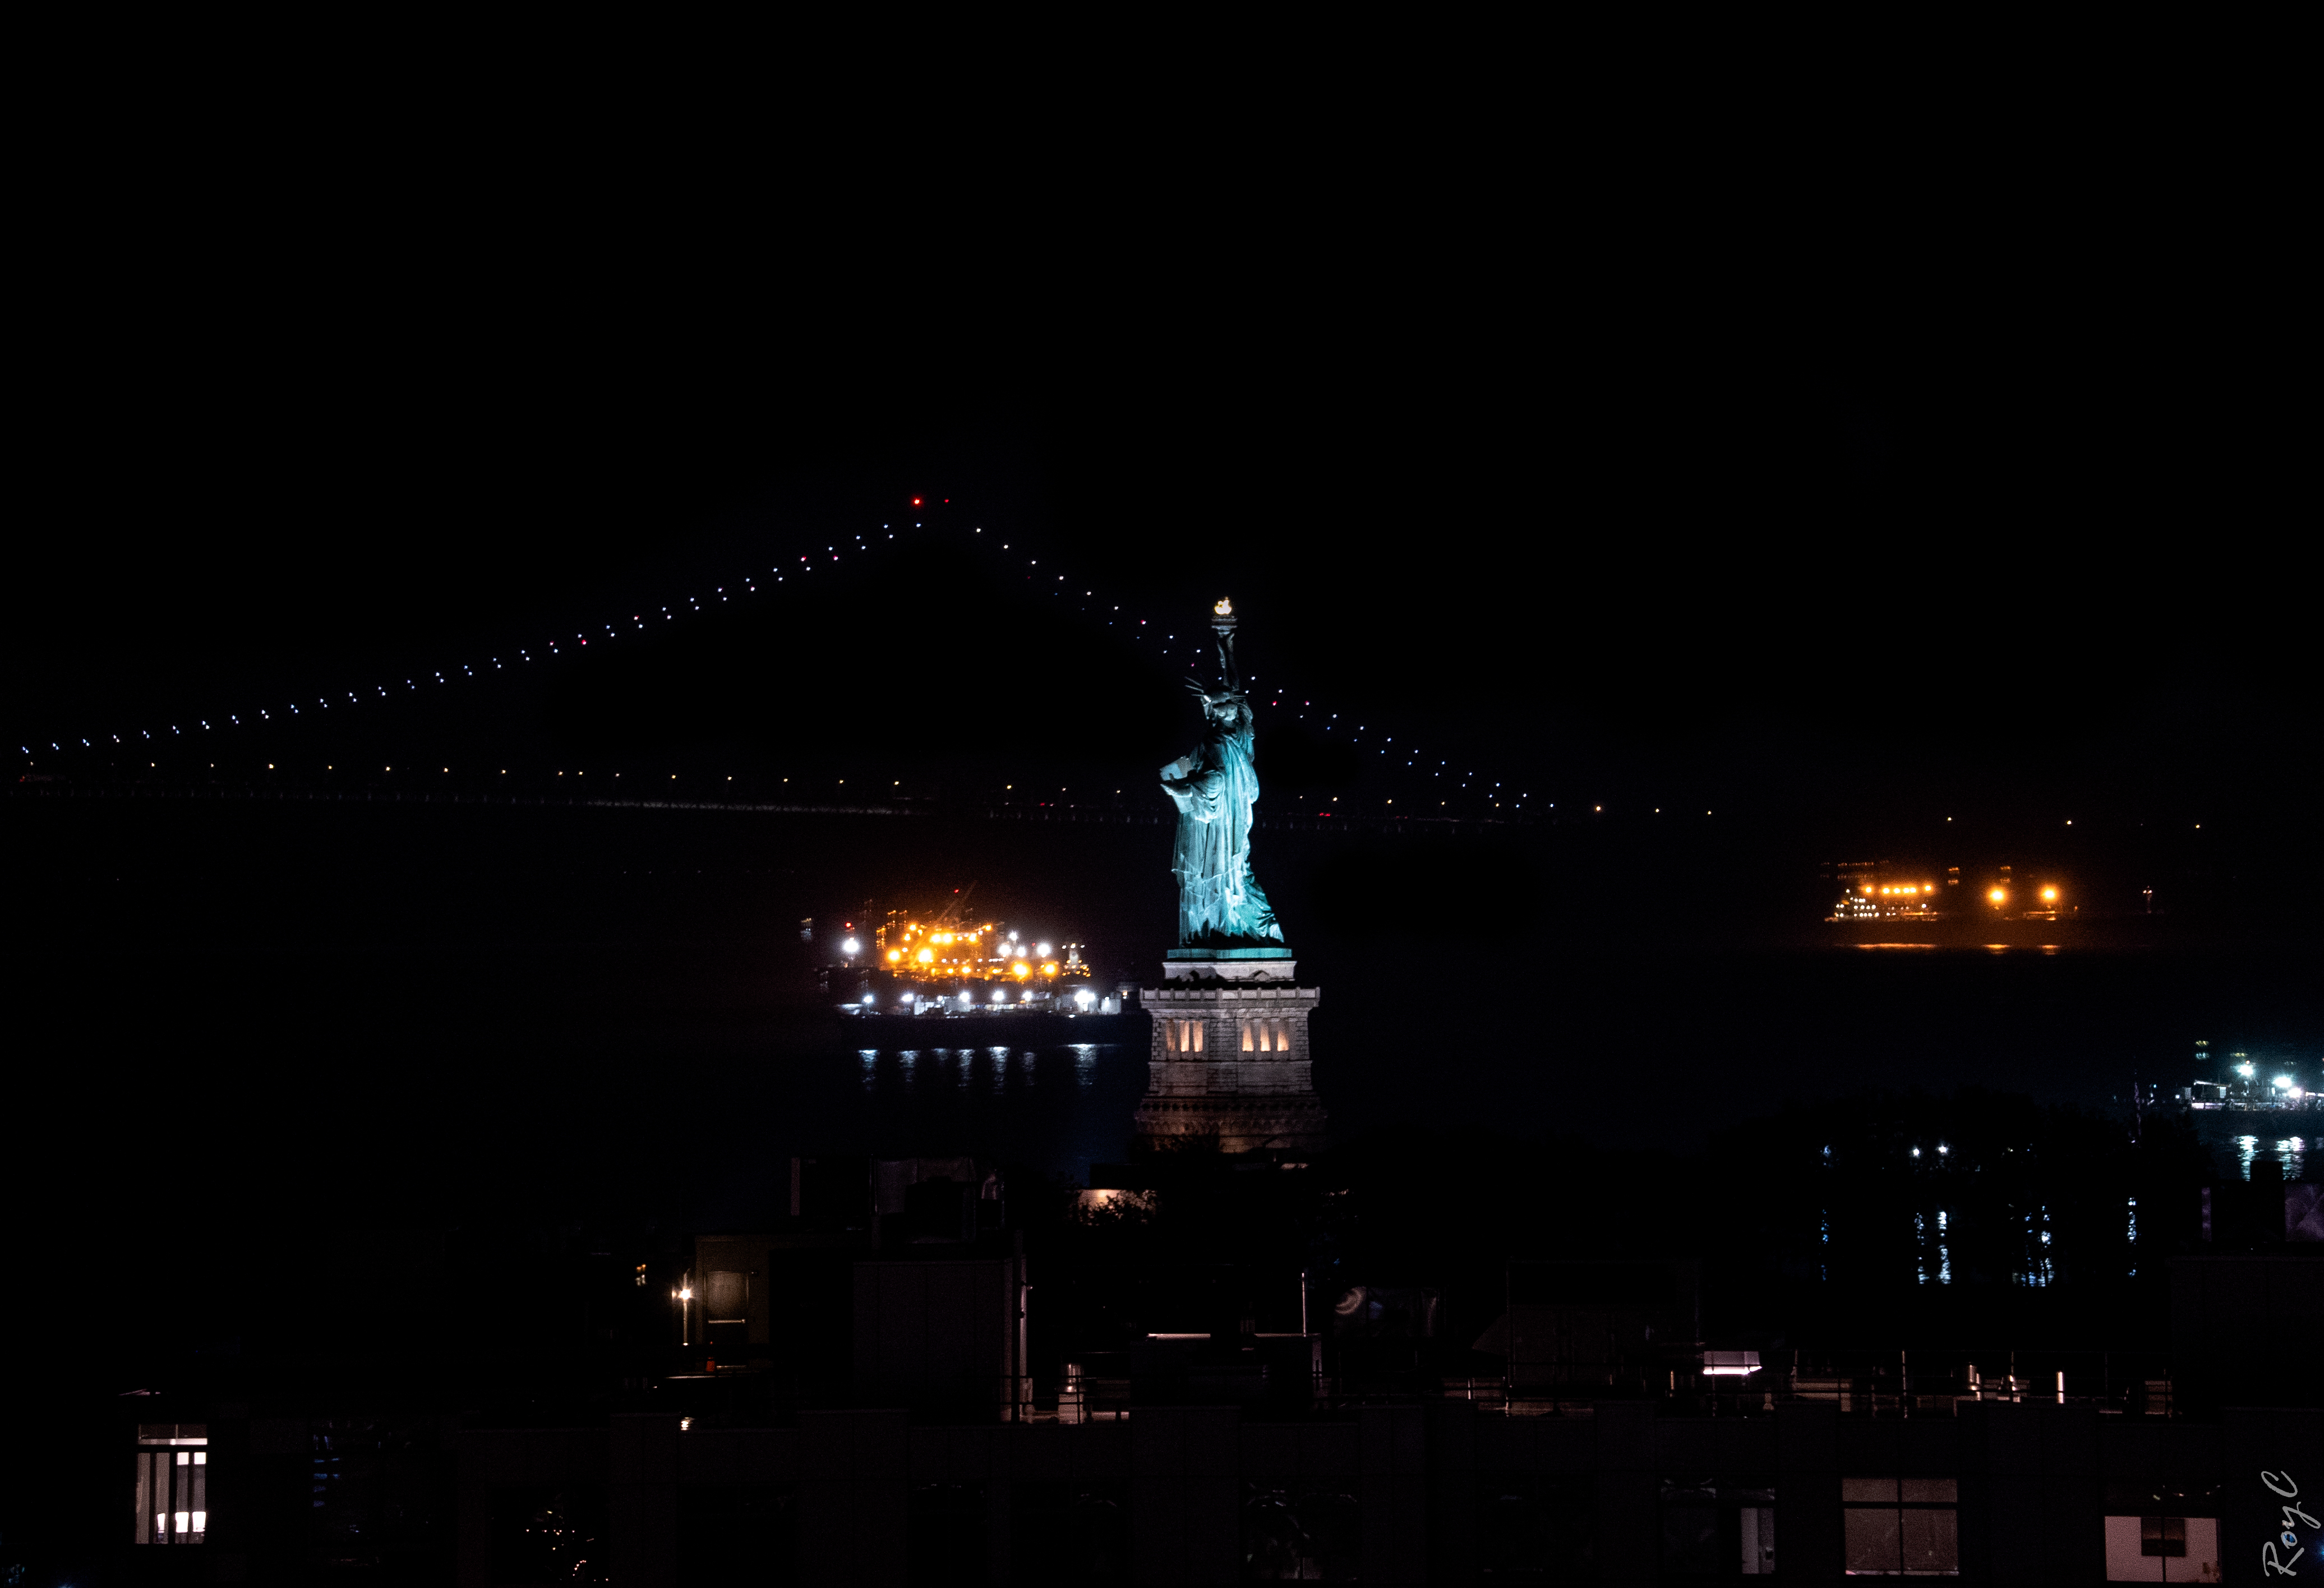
[546, 1015]
[1634, 1049]
[1054, 1109]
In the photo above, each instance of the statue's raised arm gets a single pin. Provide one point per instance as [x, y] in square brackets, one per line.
[1223, 628]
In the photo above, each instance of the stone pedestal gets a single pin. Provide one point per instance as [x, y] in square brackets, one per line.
[1230, 1067]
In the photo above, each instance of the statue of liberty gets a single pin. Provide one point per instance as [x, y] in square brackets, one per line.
[1220, 904]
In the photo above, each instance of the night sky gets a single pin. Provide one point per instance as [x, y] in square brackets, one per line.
[1973, 510]
[1949, 532]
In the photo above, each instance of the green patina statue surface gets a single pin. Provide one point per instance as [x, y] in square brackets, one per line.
[1214, 785]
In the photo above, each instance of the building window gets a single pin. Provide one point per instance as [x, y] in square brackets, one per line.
[1248, 1027]
[730, 1296]
[549, 1534]
[946, 1538]
[1300, 1532]
[1537, 1528]
[727, 1309]
[1901, 1527]
[1717, 1530]
[1075, 1533]
[1183, 1036]
[738, 1533]
[1265, 1036]
[174, 1481]
[2157, 1548]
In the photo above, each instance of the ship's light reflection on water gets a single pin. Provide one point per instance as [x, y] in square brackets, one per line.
[2290, 1151]
[1008, 1068]
[1054, 1107]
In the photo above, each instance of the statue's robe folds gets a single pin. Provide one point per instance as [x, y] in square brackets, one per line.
[1213, 787]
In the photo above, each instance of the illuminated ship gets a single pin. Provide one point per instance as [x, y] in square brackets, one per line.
[1868, 895]
[1872, 891]
[948, 964]
[2246, 1086]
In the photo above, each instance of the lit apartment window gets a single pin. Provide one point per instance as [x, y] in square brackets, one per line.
[2155, 1548]
[174, 1481]
[1901, 1527]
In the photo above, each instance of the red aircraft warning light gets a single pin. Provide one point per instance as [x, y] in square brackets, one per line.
[916, 502]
